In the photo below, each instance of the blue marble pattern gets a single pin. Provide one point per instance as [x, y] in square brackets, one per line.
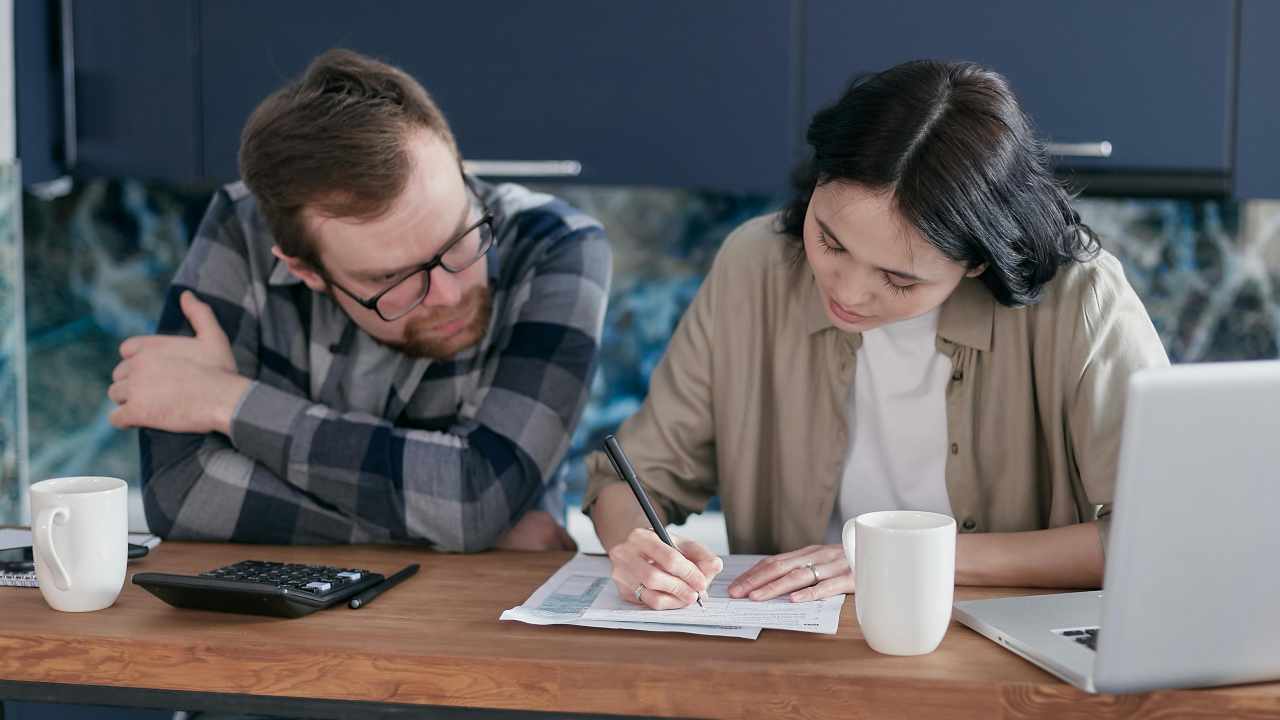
[98, 261]
[12, 358]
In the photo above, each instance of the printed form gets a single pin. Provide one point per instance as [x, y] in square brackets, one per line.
[582, 593]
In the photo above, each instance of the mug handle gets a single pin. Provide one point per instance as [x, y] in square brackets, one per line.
[848, 537]
[44, 526]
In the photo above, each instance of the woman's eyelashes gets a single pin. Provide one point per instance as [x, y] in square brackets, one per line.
[828, 247]
[895, 287]
[831, 248]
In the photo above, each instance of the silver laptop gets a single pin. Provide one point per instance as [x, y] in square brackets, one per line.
[1192, 586]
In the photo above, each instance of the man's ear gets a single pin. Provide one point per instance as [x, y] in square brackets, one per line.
[301, 269]
[975, 272]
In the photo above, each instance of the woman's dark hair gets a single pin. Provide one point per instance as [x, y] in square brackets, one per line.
[963, 164]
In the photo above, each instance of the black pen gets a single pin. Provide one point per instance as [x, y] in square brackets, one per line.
[367, 596]
[622, 466]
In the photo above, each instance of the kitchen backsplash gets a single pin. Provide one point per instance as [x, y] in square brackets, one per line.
[98, 261]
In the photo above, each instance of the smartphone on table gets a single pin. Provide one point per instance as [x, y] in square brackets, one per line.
[19, 559]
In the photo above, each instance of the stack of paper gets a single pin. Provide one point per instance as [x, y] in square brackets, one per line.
[582, 593]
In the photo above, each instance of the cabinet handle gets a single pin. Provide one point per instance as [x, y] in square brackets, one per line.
[523, 168]
[1100, 149]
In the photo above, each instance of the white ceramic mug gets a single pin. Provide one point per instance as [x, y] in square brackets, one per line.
[80, 532]
[904, 569]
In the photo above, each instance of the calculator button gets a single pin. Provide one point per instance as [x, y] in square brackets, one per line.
[319, 587]
[349, 576]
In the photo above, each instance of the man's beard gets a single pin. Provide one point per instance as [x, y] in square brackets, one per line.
[419, 342]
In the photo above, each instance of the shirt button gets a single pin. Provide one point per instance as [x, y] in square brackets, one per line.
[957, 375]
[955, 449]
[969, 525]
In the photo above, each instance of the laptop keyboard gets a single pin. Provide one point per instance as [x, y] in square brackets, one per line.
[1087, 637]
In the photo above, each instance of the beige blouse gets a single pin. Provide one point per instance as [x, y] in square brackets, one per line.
[749, 402]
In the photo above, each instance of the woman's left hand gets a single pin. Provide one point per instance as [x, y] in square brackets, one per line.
[811, 573]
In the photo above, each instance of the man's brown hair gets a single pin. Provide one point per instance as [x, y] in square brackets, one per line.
[334, 140]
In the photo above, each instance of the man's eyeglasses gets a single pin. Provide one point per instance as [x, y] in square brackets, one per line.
[460, 253]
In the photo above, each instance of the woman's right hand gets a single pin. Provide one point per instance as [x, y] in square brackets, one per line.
[649, 572]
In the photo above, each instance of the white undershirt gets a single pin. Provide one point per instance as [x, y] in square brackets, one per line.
[897, 424]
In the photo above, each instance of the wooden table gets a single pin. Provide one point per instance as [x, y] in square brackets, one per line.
[434, 645]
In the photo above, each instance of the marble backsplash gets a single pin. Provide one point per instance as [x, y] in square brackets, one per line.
[98, 260]
[13, 375]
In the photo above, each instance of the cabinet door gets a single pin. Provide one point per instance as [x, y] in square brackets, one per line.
[135, 89]
[659, 92]
[1152, 77]
[38, 90]
[1258, 123]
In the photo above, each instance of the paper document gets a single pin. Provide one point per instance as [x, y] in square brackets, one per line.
[819, 616]
[582, 593]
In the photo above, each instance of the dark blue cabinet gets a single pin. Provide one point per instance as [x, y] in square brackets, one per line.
[38, 86]
[1257, 148]
[1152, 77]
[660, 92]
[137, 99]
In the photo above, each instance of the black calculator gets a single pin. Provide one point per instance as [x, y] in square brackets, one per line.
[258, 587]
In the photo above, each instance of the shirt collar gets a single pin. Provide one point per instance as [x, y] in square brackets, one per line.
[966, 316]
[280, 274]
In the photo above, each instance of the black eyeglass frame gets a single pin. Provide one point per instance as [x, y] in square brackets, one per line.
[486, 219]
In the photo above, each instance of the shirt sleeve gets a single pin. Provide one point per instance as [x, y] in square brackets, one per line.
[319, 474]
[1115, 339]
[671, 439]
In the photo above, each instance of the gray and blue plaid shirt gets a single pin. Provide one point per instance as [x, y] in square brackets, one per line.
[343, 440]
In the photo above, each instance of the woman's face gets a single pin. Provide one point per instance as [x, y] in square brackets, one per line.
[872, 266]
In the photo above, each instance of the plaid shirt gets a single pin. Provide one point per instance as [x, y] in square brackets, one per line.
[343, 440]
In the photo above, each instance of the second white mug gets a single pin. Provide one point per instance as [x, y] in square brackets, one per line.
[904, 568]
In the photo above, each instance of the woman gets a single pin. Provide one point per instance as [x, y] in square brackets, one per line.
[927, 326]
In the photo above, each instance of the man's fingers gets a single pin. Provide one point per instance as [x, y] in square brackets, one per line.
[120, 372]
[118, 393]
[566, 540]
[200, 315]
[119, 418]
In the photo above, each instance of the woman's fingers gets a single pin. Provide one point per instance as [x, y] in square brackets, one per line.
[787, 572]
[649, 572]
[839, 585]
[707, 562]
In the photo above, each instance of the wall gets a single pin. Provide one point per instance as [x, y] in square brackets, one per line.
[98, 261]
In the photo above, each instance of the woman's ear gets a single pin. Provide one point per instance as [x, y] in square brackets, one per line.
[975, 272]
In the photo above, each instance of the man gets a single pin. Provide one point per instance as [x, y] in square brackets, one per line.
[363, 344]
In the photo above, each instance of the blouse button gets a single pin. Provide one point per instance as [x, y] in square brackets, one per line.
[955, 449]
[969, 525]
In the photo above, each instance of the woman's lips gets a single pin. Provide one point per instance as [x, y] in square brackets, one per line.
[852, 318]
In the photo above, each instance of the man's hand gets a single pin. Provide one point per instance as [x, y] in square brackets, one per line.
[178, 384]
[537, 530]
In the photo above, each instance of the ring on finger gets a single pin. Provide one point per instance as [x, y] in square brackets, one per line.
[639, 592]
[816, 577]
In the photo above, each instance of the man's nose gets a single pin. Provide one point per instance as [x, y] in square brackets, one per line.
[446, 289]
